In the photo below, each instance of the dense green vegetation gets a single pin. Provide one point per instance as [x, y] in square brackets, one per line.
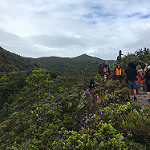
[142, 56]
[108, 123]
[12, 62]
[74, 65]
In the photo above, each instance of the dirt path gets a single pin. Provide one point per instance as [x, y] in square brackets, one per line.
[143, 99]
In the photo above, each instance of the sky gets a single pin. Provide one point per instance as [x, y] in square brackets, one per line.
[69, 28]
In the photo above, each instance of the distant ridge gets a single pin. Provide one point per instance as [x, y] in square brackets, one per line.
[74, 65]
[13, 62]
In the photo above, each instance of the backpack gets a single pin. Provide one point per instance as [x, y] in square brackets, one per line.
[148, 82]
[148, 79]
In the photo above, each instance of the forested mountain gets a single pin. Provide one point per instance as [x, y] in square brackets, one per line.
[12, 62]
[40, 110]
[73, 65]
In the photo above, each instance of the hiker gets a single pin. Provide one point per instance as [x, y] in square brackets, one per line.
[118, 73]
[91, 84]
[147, 76]
[140, 79]
[131, 73]
[105, 71]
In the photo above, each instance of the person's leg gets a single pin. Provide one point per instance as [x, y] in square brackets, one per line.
[148, 94]
[105, 78]
[137, 88]
[134, 92]
[120, 77]
[141, 89]
[129, 86]
[134, 89]
[116, 79]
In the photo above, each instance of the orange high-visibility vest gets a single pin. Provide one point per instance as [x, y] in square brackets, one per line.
[118, 71]
[105, 69]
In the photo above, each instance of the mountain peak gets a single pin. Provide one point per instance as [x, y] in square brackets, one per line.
[84, 55]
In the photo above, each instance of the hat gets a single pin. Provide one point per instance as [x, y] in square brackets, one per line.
[148, 68]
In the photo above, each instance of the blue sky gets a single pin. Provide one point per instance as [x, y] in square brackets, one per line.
[66, 28]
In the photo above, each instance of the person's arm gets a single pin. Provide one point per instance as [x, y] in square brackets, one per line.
[146, 65]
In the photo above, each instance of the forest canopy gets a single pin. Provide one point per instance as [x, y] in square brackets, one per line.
[40, 109]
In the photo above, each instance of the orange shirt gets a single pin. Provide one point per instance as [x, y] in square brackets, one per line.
[105, 69]
[139, 77]
[118, 71]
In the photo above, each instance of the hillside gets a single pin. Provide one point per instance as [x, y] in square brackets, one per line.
[74, 65]
[42, 111]
[12, 62]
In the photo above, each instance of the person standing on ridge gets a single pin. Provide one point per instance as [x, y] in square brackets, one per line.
[147, 76]
[140, 79]
[105, 72]
[131, 73]
[118, 73]
[91, 84]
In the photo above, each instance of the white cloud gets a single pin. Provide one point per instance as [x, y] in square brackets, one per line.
[69, 28]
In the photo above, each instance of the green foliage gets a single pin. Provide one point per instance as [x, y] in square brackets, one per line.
[98, 80]
[104, 138]
[139, 125]
[110, 85]
[10, 85]
[12, 62]
[74, 65]
[114, 126]
[142, 53]
[111, 123]
[122, 94]
[58, 101]
[141, 56]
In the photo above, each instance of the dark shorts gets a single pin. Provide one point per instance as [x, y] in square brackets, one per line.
[148, 88]
[118, 77]
[132, 84]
